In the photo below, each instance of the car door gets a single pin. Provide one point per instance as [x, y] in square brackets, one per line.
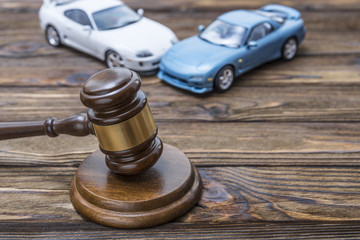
[78, 31]
[260, 45]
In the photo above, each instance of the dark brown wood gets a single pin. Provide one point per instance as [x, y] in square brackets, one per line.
[231, 195]
[170, 188]
[76, 125]
[250, 144]
[166, 191]
[113, 97]
[278, 153]
[82, 229]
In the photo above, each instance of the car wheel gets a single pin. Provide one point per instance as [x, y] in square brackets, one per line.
[52, 36]
[289, 49]
[113, 59]
[224, 79]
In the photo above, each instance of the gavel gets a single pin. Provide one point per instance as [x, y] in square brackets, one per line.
[135, 180]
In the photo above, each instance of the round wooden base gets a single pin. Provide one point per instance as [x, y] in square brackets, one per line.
[166, 191]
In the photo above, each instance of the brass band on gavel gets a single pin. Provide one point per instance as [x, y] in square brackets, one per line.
[127, 134]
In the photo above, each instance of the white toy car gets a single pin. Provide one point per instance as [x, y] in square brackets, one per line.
[108, 30]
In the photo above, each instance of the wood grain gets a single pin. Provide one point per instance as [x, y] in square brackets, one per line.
[163, 193]
[251, 144]
[279, 153]
[86, 230]
[231, 195]
[249, 103]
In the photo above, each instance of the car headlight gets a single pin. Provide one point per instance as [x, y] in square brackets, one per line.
[143, 54]
[196, 78]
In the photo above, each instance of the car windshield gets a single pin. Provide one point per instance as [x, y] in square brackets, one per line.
[115, 17]
[225, 34]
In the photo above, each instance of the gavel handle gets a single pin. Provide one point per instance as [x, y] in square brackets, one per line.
[76, 125]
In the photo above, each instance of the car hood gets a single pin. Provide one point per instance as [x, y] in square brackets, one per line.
[145, 34]
[195, 52]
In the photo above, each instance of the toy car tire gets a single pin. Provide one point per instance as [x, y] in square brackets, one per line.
[289, 49]
[52, 36]
[224, 79]
[113, 59]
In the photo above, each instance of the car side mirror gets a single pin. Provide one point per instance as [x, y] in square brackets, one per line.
[87, 28]
[201, 28]
[140, 11]
[251, 44]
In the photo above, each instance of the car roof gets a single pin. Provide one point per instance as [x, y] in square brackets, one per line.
[91, 6]
[244, 18]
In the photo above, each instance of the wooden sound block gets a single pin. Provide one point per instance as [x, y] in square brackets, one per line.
[166, 191]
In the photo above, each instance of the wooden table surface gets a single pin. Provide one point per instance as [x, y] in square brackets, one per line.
[279, 153]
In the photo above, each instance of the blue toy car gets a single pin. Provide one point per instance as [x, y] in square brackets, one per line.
[234, 43]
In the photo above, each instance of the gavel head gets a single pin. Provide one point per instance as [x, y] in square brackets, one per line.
[122, 121]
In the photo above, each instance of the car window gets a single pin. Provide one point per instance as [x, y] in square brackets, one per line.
[115, 17]
[78, 16]
[224, 34]
[260, 31]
